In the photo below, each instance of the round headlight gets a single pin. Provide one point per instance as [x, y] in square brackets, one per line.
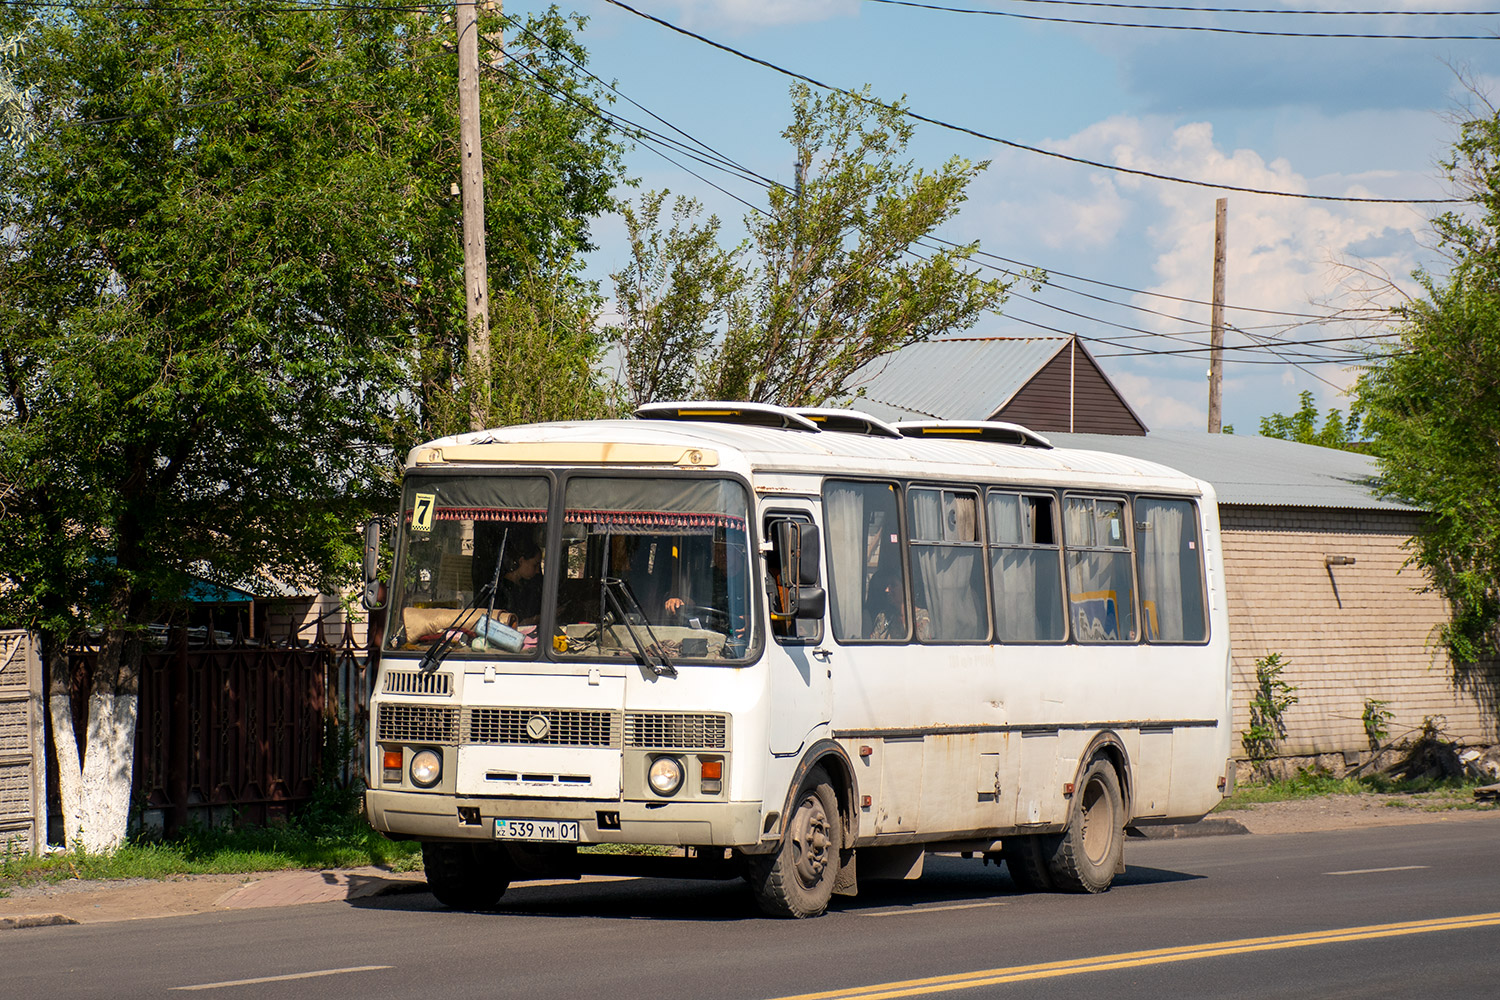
[665, 775]
[426, 768]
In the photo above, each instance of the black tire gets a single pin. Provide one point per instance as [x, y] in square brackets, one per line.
[1086, 855]
[467, 876]
[797, 880]
[1026, 860]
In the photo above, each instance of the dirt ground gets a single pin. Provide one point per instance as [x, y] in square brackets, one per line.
[1338, 812]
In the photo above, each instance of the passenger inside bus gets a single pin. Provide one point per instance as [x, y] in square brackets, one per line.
[885, 598]
[520, 589]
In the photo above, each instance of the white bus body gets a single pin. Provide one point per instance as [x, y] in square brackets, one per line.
[1047, 668]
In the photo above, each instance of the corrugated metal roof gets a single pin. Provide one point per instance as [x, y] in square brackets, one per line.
[953, 378]
[1254, 470]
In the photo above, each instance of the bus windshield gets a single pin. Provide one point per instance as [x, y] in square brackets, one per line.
[679, 549]
[473, 572]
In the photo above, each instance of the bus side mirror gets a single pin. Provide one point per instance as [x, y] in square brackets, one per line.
[371, 598]
[810, 549]
[795, 547]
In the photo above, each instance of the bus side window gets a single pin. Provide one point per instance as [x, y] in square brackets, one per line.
[1025, 568]
[947, 566]
[1101, 574]
[1170, 561]
[865, 571]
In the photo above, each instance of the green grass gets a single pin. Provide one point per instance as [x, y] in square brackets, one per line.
[324, 836]
[1432, 795]
[651, 850]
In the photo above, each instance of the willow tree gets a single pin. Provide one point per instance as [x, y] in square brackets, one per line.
[229, 254]
[837, 270]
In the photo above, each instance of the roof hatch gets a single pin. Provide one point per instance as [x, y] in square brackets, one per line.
[850, 422]
[754, 414]
[993, 431]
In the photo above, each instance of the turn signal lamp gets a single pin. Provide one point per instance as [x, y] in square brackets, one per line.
[711, 776]
[391, 764]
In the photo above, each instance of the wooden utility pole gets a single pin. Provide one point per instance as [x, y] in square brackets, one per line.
[476, 270]
[1216, 321]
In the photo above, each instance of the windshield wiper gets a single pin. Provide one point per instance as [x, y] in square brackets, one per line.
[611, 591]
[438, 650]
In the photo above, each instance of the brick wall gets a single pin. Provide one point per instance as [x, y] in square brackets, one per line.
[1347, 633]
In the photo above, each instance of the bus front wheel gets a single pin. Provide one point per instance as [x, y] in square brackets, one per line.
[797, 880]
[467, 876]
[1086, 855]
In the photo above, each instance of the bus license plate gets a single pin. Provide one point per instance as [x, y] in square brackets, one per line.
[556, 830]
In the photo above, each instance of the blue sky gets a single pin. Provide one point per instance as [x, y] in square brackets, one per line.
[1370, 117]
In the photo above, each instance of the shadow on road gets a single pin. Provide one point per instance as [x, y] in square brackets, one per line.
[946, 881]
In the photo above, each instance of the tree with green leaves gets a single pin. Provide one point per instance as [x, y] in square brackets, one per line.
[1433, 404]
[15, 102]
[834, 273]
[1338, 430]
[231, 295]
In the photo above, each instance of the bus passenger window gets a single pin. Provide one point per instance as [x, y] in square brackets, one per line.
[1101, 578]
[1170, 561]
[1025, 568]
[866, 576]
[947, 566]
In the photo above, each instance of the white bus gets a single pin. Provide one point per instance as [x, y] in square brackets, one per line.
[799, 647]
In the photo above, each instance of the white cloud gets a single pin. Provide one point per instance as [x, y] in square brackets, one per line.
[1285, 255]
[1165, 404]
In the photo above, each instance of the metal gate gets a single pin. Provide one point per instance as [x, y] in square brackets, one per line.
[23, 799]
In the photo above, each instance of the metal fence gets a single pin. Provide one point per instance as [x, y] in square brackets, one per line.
[231, 731]
[23, 800]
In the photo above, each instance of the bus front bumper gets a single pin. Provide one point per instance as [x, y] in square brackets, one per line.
[438, 816]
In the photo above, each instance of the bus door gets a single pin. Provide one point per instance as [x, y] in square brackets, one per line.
[800, 662]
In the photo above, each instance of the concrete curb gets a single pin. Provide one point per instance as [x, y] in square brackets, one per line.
[35, 920]
[1202, 828]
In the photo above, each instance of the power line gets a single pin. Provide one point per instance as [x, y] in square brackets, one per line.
[1021, 146]
[1257, 10]
[307, 8]
[1162, 295]
[1215, 29]
[726, 164]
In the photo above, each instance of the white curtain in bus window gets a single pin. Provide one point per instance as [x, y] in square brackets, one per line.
[947, 559]
[866, 577]
[1171, 569]
[1100, 575]
[1025, 569]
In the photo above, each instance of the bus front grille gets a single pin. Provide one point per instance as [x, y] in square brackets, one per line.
[524, 727]
[674, 731]
[418, 682]
[417, 724]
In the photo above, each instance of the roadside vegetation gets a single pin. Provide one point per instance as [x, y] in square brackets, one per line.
[1425, 793]
[328, 833]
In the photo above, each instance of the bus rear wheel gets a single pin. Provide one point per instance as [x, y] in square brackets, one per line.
[467, 876]
[797, 880]
[1026, 858]
[1086, 855]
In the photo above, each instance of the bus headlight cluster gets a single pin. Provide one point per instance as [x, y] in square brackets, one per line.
[665, 775]
[426, 768]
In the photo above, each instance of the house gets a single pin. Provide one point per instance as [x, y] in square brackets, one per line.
[1316, 570]
[1044, 383]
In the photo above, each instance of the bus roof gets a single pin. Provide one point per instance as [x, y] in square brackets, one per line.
[708, 439]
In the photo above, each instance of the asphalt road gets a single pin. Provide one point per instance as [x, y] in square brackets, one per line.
[1384, 912]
